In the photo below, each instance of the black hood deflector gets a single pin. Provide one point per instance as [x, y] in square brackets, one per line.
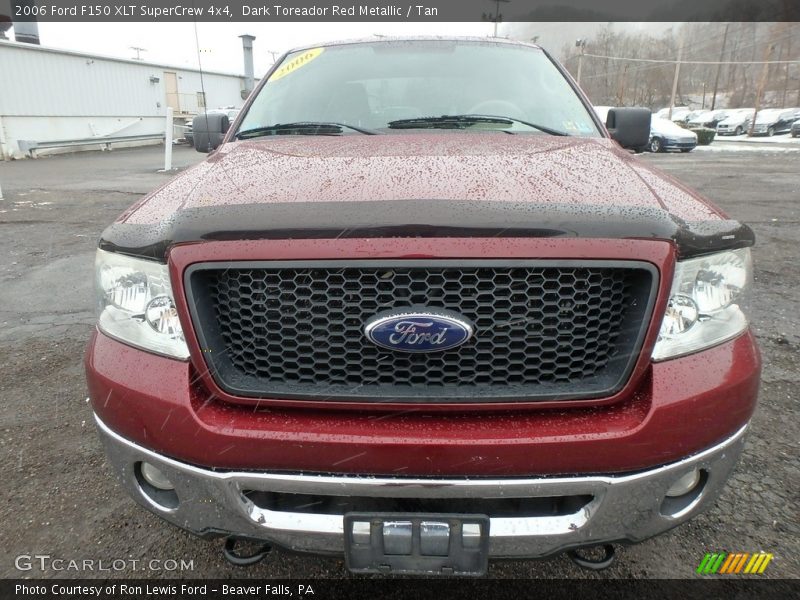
[423, 219]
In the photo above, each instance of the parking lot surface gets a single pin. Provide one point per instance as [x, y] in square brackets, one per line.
[62, 501]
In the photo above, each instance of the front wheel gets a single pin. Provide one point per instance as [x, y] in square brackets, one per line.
[739, 131]
[656, 145]
[771, 131]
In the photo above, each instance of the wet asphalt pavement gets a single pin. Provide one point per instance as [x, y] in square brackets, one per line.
[62, 501]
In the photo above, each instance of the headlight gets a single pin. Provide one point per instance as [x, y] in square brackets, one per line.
[136, 304]
[707, 303]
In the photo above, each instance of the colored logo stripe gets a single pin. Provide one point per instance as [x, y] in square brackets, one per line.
[737, 562]
[728, 562]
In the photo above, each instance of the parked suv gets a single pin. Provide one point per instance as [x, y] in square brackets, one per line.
[773, 121]
[418, 313]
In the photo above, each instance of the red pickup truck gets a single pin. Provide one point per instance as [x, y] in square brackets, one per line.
[420, 308]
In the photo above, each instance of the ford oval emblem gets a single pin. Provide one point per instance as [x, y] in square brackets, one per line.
[424, 330]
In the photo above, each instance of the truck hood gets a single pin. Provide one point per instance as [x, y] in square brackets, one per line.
[430, 184]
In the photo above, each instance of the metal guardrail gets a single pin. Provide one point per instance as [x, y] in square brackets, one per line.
[30, 147]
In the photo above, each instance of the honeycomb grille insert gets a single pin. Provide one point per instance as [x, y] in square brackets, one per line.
[543, 331]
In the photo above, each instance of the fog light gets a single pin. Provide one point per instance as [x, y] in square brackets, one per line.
[685, 484]
[156, 478]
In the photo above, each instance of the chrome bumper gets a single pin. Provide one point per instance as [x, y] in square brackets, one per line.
[622, 507]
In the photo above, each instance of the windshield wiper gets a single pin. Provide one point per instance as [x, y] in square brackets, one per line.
[302, 128]
[464, 121]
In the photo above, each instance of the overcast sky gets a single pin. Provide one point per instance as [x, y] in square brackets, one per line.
[221, 49]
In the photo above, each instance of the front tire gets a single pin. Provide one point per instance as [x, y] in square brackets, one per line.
[739, 131]
[771, 131]
[656, 145]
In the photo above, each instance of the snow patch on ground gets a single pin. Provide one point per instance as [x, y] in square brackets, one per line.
[745, 147]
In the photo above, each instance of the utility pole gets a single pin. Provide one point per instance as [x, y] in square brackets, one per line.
[719, 66]
[798, 96]
[497, 17]
[761, 85]
[580, 43]
[788, 66]
[623, 80]
[675, 79]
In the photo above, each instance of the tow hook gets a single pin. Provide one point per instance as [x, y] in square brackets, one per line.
[593, 564]
[234, 555]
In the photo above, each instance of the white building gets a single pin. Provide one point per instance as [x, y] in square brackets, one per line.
[49, 95]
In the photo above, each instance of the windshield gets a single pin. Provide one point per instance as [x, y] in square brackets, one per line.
[389, 86]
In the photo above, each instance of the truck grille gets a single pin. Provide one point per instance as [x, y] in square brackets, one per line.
[544, 329]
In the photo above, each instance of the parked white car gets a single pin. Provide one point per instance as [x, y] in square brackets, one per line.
[692, 115]
[736, 123]
[231, 111]
[666, 135]
[709, 118]
[679, 113]
[602, 112]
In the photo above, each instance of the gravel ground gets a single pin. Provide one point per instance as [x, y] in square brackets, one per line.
[62, 501]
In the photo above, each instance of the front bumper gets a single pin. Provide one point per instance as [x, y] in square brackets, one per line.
[626, 507]
[676, 144]
[762, 130]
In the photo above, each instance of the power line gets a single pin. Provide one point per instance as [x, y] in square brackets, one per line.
[708, 46]
[707, 43]
[651, 67]
[697, 62]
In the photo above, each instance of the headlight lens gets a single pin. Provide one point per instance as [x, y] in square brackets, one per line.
[707, 303]
[136, 304]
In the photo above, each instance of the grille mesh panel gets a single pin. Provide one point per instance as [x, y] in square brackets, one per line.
[541, 331]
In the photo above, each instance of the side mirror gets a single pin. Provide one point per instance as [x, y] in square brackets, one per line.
[630, 127]
[209, 130]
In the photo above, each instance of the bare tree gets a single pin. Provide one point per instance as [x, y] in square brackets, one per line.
[739, 45]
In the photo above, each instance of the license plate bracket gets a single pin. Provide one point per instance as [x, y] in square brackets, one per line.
[417, 544]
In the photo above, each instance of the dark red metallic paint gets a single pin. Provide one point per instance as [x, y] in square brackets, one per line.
[490, 167]
[681, 406]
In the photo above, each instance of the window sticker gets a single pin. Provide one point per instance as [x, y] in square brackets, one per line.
[298, 61]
